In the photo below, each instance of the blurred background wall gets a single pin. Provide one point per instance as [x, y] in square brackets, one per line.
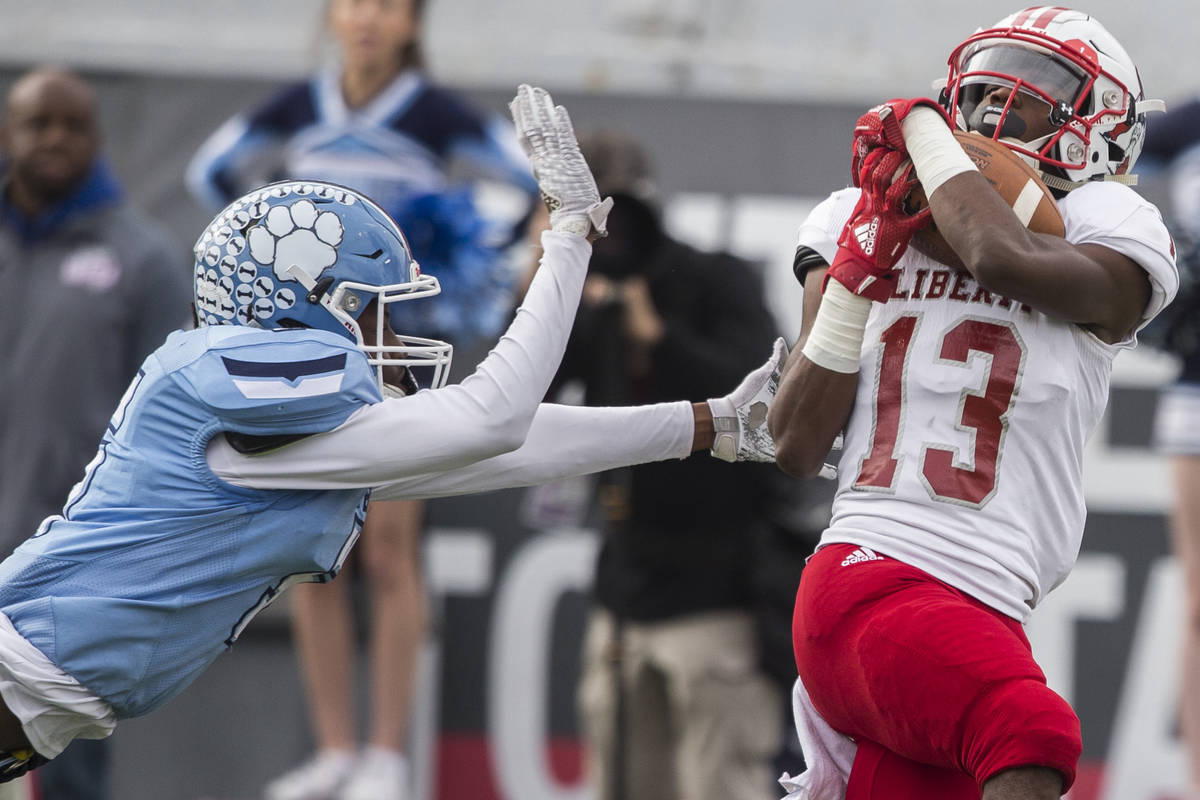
[745, 108]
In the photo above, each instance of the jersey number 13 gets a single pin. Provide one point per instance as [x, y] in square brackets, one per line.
[982, 411]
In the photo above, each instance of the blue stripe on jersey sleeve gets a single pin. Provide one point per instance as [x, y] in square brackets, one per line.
[267, 383]
[289, 370]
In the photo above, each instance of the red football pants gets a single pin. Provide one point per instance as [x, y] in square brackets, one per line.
[939, 690]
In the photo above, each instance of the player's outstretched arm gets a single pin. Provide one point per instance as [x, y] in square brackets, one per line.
[563, 177]
[562, 441]
[566, 441]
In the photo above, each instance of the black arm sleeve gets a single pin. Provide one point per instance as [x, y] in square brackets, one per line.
[806, 260]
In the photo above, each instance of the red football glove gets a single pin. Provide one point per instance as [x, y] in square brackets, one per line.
[878, 231]
[881, 127]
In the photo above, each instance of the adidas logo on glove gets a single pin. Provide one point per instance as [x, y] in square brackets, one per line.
[861, 554]
[865, 234]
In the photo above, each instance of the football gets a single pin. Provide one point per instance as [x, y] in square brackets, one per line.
[1017, 182]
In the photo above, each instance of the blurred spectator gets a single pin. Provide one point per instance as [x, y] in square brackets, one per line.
[91, 287]
[1172, 141]
[374, 122]
[696, 715]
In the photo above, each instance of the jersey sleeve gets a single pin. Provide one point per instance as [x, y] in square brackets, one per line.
[1117, 217]
[273, 383]
[562, 441]
[821, 229]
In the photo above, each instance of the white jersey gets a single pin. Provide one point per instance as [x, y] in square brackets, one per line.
[963, 455]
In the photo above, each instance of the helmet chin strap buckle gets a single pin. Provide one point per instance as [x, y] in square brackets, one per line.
[318, 290]
[1149, 105]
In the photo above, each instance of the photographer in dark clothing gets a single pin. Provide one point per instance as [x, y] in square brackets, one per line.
[674, 591]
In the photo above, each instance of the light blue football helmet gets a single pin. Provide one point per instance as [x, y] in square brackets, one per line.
[315, 255]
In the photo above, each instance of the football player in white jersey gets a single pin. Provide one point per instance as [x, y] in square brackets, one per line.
[965, 397]
[241, 459]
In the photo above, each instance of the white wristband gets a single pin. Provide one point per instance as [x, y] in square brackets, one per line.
[835, 341]
[936, 155]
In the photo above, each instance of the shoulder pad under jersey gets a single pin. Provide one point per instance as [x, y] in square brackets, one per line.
[263, 382]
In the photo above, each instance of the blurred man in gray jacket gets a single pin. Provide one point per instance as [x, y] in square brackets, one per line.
[89, 287]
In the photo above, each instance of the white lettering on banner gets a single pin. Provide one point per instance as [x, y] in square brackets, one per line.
[539, 573]
[1095, 591]
[1145, 759]
[1107, 469]
[458, 561]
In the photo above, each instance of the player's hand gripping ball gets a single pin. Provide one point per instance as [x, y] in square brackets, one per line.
[881, 126]
[880, 227]
[1012, 178]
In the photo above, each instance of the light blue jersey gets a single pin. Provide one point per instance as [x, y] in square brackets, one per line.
[157, 565]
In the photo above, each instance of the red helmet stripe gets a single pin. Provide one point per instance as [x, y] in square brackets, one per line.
[1047, 17]
[1024, 16]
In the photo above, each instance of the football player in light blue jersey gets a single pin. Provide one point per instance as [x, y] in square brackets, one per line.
[241, 459]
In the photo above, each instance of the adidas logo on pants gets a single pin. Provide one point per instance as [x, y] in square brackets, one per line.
[861, 554]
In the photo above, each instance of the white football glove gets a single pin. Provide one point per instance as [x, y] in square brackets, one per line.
[740, 417]
[566, 182]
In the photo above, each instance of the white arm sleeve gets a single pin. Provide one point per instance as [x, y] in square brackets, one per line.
[565, 441]
[489, 413]
[562, 441]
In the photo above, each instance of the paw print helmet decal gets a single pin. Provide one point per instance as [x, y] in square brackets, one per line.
[315, 255]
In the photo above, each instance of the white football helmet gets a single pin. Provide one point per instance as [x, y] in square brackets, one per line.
[1070, 61]
[306, 254]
